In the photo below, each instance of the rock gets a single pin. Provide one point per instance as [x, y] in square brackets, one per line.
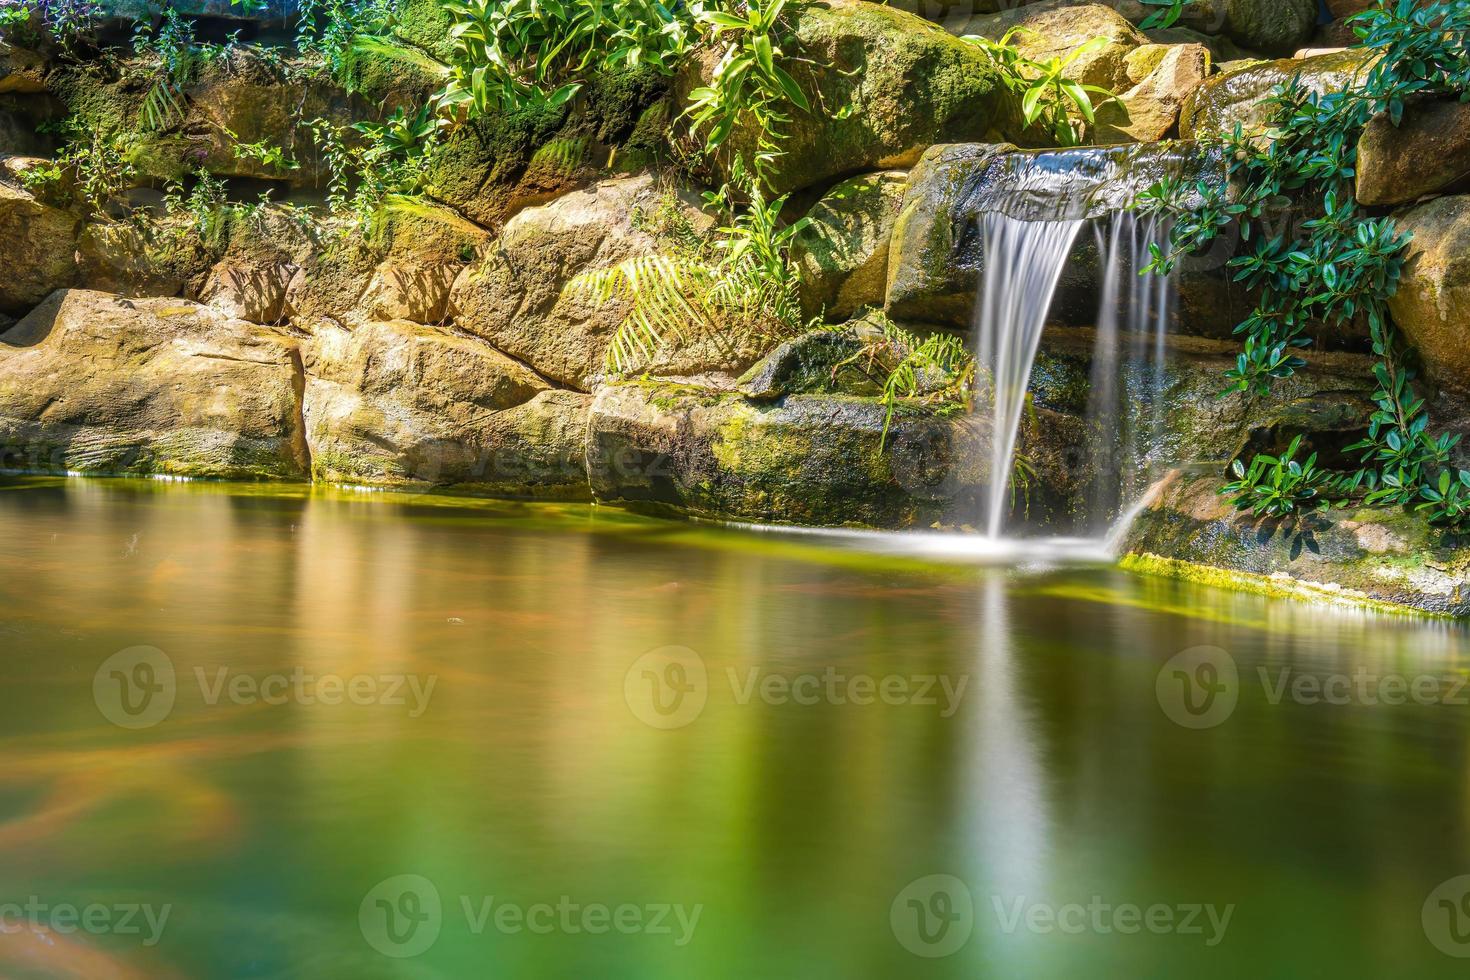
[1347, 8]
[496, 166]
[22, 72]
[809, 459]
[1147, 112]
[1056, 28]
[1238, 96]
[142, 259]
[1221, 48]
[1428, 152]
[427, 253]
[1141, 61]
[913, 85]
[1432, 306]
[514, 298]
[266, 248]
[842, 255]
[1269, 26]
[40, 246]
[1377, 556]
[817, 362]
[420, 407]
[927, 280]
[93, 382]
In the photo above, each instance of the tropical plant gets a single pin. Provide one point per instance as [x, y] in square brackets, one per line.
[748, 79]
[1167, 14]
[1278, 485]
[1340, 266]
[932, 370]
[1447, 502]
[1047, 95]
[330, 28]
[741, 283]
[513, 53]
[69, 23]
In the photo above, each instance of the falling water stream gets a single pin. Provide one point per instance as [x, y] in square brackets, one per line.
[1024, 262]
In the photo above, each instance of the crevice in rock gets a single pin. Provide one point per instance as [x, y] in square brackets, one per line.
[300, 446]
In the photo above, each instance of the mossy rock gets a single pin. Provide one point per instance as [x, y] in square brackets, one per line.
[1239, 96]
[884, 85]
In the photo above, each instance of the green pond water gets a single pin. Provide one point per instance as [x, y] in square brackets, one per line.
[254, 732]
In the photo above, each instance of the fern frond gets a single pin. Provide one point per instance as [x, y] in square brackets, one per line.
[163, 106]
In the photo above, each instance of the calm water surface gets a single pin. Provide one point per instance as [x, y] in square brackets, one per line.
[566, 742]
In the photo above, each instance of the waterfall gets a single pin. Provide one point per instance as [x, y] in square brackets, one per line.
[1128, 359]
[1023, 264]
[1026, 248]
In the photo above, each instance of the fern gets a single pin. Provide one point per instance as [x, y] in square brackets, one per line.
[163, 106]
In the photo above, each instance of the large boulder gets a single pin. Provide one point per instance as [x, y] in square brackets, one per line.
[1432, 306]
[1238, 96]
[514, 297]
[1378, 556]
[140, 258]
[40, 249]
[1149, 110]
[1429, 151]
[842, 255]
[1269, 26]
[1057, 28]
[432, 408]
[94, 382]
[806, 459]
[929, 278]
[265, 248]
[909, 85]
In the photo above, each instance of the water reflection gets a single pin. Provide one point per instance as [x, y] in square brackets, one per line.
[1045, 773]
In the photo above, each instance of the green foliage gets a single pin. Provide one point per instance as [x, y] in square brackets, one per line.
[1339, 267]
[1447, 502]
[330, 28]
[513, 53]
[1167, 15]
[68, 23]
[932, 370]
[748, 79]
[1046, 95]
[370, 164]
[741, 282]
[92, 173]
[1278, 485]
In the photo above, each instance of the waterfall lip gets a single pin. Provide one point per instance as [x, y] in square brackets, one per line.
[1079, 183]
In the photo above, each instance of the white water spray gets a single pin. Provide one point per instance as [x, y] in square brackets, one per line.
[1023, 264]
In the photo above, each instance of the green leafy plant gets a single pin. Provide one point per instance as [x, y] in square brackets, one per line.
[741, 282]
[1447, 502]
[1278, 485]
[1167, 14]
[1047, 96]
[748, 79]
[1339, 267]
[935, 370]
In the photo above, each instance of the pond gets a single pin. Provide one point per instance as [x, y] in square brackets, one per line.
[278, 732]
